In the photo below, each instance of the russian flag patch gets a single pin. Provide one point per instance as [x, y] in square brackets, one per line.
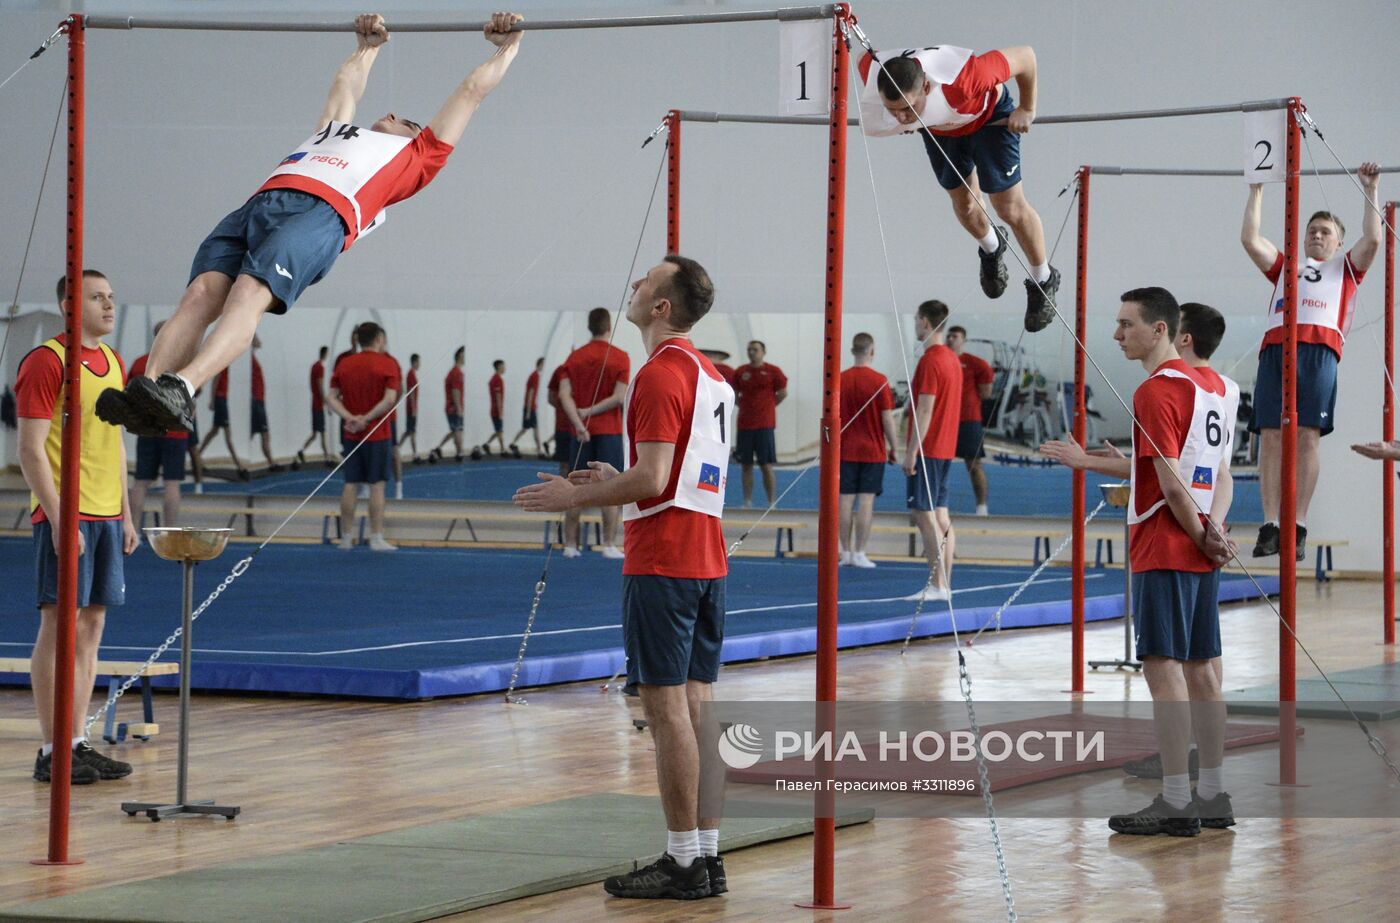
[1203, 479]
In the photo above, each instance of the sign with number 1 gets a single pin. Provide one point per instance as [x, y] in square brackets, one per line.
[1264, 140]
[804, 62]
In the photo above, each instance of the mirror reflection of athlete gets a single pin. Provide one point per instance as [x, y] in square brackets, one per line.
[320, 199]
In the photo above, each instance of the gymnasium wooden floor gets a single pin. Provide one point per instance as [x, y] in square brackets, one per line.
[311, 772]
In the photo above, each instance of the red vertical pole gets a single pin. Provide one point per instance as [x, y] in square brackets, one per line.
[1388, 433]
[828, 516]
[1288, 468]
[62, 717]
[673, 181]
[1081, 314]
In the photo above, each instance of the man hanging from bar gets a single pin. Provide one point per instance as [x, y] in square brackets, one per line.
[970, 124]
[1327, 282]
[330, 191]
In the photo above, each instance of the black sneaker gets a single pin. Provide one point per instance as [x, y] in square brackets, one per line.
[113, 407]
[1216, 812]
[1150, 767]
[714, 866]
[1040, 302]
[1267, 543]
[433, 456]
[298, 461]
[105, 767]
[1301, 539]
[1158, 817]
[515, 451]
[80, 774]
[165, 402]
[993, 274]
[663, 878]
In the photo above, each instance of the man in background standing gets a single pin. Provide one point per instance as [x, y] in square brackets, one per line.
[454, 387]
[529, 419]
[758, 390]
[364, 388]
[158, 456]
[318, 409]
[976, 387]
[868, 441]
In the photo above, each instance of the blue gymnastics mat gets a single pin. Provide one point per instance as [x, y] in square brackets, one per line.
[421, 623]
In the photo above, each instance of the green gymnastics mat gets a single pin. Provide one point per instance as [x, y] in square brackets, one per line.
[1372, 692]
[417, 873]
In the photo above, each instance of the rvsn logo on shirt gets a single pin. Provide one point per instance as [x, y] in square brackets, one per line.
[292, 158]
[1201, 480]
[709, 478]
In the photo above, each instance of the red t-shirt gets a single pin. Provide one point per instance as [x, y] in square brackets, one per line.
[976, 372]
[497, 389]
[939, 374]
[532, 391]
[726, 371]
[561, 419]
[596, 368]
[139, 368]
[221, 384]
[972, 93]
[318, 376]
[340, 358]
[674, 542]
[38, 387]
[1163, 408]
[393, 413]
[864, 440]
[455, 382]
[756, 392]
[412, 402]
[259, 385]
[362, 380]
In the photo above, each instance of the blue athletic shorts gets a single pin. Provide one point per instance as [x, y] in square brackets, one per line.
[994, 150]
[970, 440]
[563, 447]
[1177, 614]
[318, 421]
[499, 425]
[285, 238]
[257, 418]
[862, 477]
[454, 422]
[410, 426]
[755, 446]
[220, 412]
[602, 448]
[101, 580]
[160, 454]
[927, 488]
[529, 420]
[1317, 388]
[369, 465]
[672, 629]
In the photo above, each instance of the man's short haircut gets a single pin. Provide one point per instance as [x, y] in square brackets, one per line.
[1206, 326]
[599, 321]
[321, 353]
[962, 330]
[1156, 304]
[367, 333]
[935, 312]
[1341, 228]
[413, 358]
[761, 345]
[539, 361]
[498, 364]
[900, 77]
[862, 343]
[689, 290]
[460, 354]
[155, 331]
[61, 289]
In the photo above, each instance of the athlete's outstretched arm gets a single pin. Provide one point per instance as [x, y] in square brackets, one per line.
[1260, 250]
[348, 84]
[1364, 253]
[1021, 59]
[454, 115]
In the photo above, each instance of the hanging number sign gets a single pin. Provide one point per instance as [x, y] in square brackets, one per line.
[1264, 140]
[804, 67]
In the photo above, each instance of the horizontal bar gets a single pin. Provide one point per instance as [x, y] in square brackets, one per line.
[788, 14]
[1251, 106]
[696, 115]
[1171, 171]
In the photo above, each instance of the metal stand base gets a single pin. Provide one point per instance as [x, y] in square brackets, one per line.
[156, 811]
[1116, 664]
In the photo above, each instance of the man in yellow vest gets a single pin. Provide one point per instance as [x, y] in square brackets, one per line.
[105, 530]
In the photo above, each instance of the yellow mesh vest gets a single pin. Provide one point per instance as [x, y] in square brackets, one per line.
[101, 476]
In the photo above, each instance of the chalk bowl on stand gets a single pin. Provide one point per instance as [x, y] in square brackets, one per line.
[183, 544]
[1115, 494]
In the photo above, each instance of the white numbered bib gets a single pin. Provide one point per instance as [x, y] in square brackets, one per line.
[344, 158]
[1322, 296]
[941, 64]
[1205, 454]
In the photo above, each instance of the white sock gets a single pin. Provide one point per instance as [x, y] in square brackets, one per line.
[189, 388]
[376, 536]
[1211, 783]
[79, 740]
[683, 845]
[1041, 272]
[46, 749]
[1302, 524]
[989, 243]
[1272, 522]
[1177, 789]
[709, 842]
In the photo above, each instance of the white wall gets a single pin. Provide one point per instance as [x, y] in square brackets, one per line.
[540, 209]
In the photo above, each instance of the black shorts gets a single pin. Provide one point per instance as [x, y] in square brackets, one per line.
[529, 420]
[158, 456]
[497, 424]
[672, 629]
[862, 477]
[993, 150]
[755, 446]
[318, 421]
[563, 447]
[220, 412]
[970, 440]
[604, 447]
[410, 425]
[369, 465]
[257, 418]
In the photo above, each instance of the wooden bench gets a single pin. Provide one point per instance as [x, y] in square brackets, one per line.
[116, 672]
[468, 520]
[1043, 539]
[782, 529]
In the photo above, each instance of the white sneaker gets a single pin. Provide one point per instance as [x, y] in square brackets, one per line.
[611, 552]
[860, 559]
[845, 559]
[398, 490]
[199, 487]
[346, 544]
[377, 543]
[982, 510]
[571, 552]
[929, 594]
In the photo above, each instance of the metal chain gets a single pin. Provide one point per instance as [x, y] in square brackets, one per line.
[511, 697]
[238, 570]
[965, 684]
